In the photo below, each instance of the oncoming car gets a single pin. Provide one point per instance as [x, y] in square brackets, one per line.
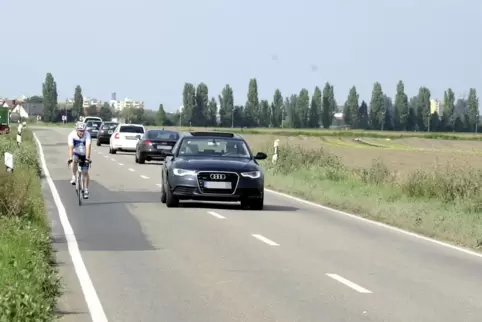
[213, 166]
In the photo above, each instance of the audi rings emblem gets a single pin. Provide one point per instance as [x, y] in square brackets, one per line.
[217, 176]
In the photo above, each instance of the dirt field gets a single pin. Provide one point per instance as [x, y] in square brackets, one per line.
[403, 155]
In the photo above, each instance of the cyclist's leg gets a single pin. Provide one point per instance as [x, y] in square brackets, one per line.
[73, 168]
[85, 174]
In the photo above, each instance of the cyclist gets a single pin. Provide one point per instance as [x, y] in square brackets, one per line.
[79, 142]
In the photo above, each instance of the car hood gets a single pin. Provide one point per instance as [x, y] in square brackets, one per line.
[215, 164]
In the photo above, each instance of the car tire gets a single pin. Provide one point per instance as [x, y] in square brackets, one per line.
[137, 160]
[171, 200]
[142, 159]
[163, 194]
[98, 142]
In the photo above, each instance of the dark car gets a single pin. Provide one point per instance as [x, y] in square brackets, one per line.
[105, 131]
[154, 144]
[213, 166]
[93, 128]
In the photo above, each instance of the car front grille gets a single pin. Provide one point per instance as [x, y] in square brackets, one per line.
[214, 176]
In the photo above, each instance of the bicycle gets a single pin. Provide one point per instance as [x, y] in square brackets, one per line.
[79, 180]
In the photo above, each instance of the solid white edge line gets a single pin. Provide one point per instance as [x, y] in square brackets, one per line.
[143, 176]
[90, 295]
[348, 283]
[130, 169]
[379, 224]
[215, 214]
[265, 240]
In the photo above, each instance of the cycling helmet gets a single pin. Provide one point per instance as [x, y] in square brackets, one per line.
[80, 126]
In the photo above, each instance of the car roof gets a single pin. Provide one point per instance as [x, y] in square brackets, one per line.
[212, 135]
[163, 130]
[127, 124]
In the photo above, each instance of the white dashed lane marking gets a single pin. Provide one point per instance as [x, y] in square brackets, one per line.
[348, 283]
[143, 176]
[215, 214]
[130, 169]
[265, 240]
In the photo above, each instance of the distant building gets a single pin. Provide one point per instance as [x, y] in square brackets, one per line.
[435, 106]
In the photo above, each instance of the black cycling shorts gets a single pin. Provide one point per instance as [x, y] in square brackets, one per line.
[82, 164]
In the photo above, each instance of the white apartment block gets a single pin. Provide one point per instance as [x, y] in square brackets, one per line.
[119, 105]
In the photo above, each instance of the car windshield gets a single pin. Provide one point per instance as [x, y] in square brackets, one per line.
[222, 147]
[131, 129]
[109, 126]
[162, 135]
[94, 123]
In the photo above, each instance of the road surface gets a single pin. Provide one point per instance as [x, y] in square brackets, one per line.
[207, 263]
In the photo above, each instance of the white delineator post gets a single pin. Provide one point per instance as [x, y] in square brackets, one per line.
[275, 155]
[9, 161]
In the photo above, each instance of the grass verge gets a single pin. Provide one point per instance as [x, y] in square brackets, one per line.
[30, 285]
[443, 202]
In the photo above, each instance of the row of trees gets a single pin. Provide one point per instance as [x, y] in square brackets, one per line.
[294, 111]
[301, 111]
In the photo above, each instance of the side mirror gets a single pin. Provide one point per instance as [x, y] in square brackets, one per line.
[260, 156]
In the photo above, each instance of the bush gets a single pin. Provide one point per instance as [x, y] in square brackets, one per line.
[29, 284]
[443, 202]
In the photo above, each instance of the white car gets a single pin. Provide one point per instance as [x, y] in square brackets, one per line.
[125, 136]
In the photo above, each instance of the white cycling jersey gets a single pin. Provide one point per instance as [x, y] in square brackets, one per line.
[79, 144]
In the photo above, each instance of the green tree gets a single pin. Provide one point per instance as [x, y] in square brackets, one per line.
[276, 109]
[77, 108]
[92, 110]
[105, 112]
[202, 101]
[473, 109]
[377, 104]
[189, 103]
[34, 99]
[211, 115]
[226, 102]
[302, 109]
[161, 116]
[139, 115]
[363, 116]
[49, 92]
[423, 108]
[387, 113]
[350, 110]
[401, 108]
[265, 114]
[251, 109]
[315, 109]
[448, 111]
[327, 106]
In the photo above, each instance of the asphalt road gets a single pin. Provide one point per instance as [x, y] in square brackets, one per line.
[209, 263]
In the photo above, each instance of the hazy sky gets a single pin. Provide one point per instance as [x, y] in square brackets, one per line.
[147, 49]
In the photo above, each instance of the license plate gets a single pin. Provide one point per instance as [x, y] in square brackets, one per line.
[110, 132]
[131, 138]
[217, 185]
[164, 147]
[95, 130]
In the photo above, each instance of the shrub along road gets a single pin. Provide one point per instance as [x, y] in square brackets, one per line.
[292, 261]
[29, 285]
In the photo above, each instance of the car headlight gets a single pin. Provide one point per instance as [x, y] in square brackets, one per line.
[183, 172]
[251, 174]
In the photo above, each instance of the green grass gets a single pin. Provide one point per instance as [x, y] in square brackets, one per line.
[29, 284]
[443, 203]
